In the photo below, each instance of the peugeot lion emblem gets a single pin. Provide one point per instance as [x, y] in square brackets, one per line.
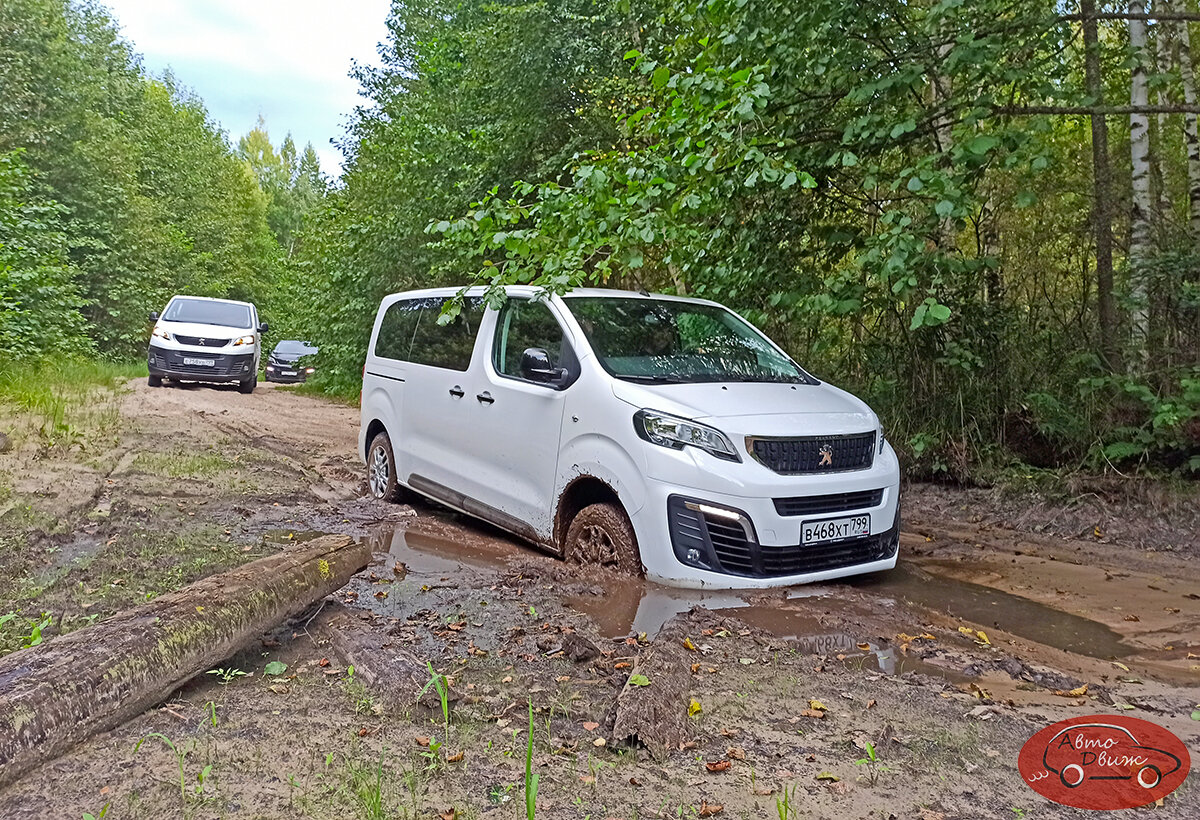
[201, 343]
[826, 456]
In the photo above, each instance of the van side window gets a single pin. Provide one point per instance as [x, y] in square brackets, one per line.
[523, 324]
[450, 345]
[396, 329]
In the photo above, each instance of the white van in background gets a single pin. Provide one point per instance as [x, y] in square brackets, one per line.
[648, 433]
[206, 340]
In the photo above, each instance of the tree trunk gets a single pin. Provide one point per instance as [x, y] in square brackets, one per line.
[1102, 185]
[1191, 133]
[55, 695]
[1139, 153]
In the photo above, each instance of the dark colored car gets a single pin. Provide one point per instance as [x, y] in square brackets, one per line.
[290, 361]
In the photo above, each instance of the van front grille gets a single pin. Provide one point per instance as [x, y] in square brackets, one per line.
[201, 341]
[815, 454]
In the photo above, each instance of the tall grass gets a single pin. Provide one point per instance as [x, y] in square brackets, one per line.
[60, 396]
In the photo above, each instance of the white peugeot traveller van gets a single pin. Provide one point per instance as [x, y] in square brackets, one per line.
[206, 340]
[649, 433]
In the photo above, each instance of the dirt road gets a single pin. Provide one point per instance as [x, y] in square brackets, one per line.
[984, 634]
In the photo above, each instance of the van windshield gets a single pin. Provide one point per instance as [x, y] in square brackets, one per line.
[205, 312]
[662, 341]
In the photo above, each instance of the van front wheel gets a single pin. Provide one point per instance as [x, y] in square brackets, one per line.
[601, 534]
[154, 381]
[381, 469]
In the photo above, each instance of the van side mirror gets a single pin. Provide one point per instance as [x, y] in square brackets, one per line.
[153, 316]
[264, 327]
[536, 366]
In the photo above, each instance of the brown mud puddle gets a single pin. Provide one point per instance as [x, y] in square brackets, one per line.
[857, 620]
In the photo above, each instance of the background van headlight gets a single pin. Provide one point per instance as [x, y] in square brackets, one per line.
[244, 340]
[666, 430]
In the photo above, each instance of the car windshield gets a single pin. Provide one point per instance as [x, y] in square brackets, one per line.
[663, 341]
[206, 312]
[290, 348]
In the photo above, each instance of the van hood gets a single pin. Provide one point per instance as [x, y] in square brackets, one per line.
[216, 332]
[756, 409]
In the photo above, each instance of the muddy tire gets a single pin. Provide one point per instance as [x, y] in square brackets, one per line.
[248, 385]
[154, 381]
[381, 470]
[601, 534]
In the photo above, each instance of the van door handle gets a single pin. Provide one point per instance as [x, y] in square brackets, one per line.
[485, 398]
[457, 392]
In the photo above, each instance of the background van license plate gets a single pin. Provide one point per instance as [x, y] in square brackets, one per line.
[835, 529]
[201, 362]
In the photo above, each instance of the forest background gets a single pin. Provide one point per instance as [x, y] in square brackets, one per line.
[980, 216]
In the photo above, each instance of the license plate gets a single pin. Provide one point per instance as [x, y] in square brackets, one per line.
[289, 372]
[199, 362]
[835, 529]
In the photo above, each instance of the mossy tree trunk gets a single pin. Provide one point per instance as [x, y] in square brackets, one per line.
[55, 695]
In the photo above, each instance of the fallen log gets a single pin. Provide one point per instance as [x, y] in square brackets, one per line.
[57, 694]
[655, 712]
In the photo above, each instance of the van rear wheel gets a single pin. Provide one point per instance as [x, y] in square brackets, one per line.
[602, 534]
[381, 469]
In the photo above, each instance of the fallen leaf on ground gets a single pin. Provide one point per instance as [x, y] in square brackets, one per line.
[1133, 618]
[694, 708]
[730, 732]
[687, 644]
[455, 758]
[1072, 693]
[323, 662]
[591, 726]
[745, 661]
[621, 665]
[709, 809]
[816, 704]
[838, 787]
[449, 814]
[828, 776]
[1120, 665]
[812, 713]
[871, 703]
[695, 668]
[422, 740]
[864, 646]
[718, 766]
[736, 752]
[599, 741]
[639, 680]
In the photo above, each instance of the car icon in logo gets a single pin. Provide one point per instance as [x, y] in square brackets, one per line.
[1103, 751]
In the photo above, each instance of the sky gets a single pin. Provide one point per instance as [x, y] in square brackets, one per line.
[287, 60]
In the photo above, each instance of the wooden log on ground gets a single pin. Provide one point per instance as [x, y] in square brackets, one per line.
[55, 695]
[656, 713]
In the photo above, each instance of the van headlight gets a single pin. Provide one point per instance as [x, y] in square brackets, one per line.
[160, 333]
[243, 340]
[671, 431]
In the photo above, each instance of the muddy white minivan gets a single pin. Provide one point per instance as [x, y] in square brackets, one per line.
[655, 434]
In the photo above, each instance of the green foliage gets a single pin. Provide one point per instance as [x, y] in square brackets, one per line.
[39, 299]
[133, 193]
[470, 95]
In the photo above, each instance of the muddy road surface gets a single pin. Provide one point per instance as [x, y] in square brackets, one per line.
[630, 699]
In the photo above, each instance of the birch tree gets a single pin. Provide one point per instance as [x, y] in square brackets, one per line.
[1139, 155]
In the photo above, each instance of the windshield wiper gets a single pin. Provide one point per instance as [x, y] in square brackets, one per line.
[643, 379]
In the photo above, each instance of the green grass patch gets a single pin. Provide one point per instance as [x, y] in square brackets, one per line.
[183, 464]
[65, 401]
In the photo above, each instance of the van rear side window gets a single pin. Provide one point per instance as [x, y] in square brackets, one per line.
[410, 332]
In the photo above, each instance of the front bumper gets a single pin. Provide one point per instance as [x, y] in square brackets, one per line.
[698, 539]
[224, 368]
[275, 373]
